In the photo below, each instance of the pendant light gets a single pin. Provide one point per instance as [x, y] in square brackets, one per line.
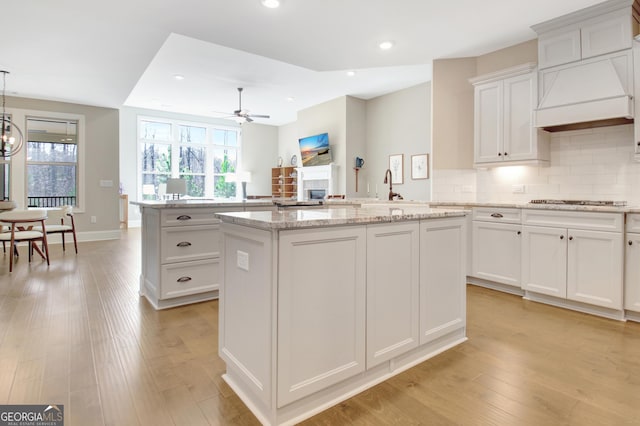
[12, 137]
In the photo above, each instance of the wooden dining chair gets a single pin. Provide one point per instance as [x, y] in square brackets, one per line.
[60, 221]
[21, 223]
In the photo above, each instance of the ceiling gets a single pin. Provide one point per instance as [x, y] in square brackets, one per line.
[123, 52]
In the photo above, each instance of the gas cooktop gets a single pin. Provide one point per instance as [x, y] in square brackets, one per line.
[581, 202]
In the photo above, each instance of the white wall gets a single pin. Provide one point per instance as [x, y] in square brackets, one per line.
[356, 146]
[398, 123]
[592, 164]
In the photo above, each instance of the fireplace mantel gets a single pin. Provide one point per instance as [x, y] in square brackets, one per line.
[317, 177]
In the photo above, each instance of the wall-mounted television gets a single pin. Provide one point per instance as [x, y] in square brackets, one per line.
[315, 150]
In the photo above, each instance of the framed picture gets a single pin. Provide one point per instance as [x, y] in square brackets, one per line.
[420, 166]
[396, 165]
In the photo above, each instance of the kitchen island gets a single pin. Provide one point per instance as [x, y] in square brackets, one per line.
[319, 305]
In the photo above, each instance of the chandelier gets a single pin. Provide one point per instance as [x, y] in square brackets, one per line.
[12, 137]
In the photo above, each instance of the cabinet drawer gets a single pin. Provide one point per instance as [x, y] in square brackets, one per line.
[185, 278]
[192, 216]
[497, 214]
[183, 243]
[633, 222]
[597, 221]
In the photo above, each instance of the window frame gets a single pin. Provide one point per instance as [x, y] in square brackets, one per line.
[175, 144]
[80, 144]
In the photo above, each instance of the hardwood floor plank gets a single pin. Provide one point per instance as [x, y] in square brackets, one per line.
[77, 332]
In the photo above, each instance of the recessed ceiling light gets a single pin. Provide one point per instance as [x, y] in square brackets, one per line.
[271, 4]
[290, 99]
[178, 77]
[386, 45]
[351, 73]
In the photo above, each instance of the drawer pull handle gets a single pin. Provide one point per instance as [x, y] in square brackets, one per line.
[183, 217]
[498, 215]
[183, 244]
[519, 232]
[562, 237]
[183, 279]
[570, 238]
[630, 242]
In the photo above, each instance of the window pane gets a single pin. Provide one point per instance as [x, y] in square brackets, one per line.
[154, 130]
[156, 158]
[153, 186]
[4, 181]
[225, 137]
[52, 152]
[224, 160]
[191, 134]
[223, 189]
[195, 185]
[192, 159]
[51, 185]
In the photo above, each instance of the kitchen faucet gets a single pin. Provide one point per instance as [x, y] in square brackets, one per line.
[387, 175]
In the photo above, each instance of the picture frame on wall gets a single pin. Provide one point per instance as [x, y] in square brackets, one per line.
[396, 165]
[420, 166]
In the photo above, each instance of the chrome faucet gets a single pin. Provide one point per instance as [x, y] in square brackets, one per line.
[388, 176]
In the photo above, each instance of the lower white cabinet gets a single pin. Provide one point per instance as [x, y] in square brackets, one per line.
[496, 252]
[583, 265]
[632, 264]
[393, 271]
[321, 309]
[443, 247]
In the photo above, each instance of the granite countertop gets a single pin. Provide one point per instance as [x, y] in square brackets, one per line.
[293, 219]
[172, 204]
[568, 207]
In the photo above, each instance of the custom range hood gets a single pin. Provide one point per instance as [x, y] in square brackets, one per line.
[586, 63]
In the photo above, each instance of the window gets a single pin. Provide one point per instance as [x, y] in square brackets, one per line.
[52, 162]
[202, 154]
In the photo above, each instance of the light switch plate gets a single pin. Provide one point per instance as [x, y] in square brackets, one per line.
[242, 260]
[517, 189]
[106, 183]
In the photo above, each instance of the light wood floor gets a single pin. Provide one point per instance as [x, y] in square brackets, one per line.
[77, 333]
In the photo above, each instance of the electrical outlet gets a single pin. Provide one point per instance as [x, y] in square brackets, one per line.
[517, 189]
[94, 219]
[106, 183]
[242, 260]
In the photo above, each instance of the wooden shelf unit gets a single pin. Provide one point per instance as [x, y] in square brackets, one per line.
[284, 182]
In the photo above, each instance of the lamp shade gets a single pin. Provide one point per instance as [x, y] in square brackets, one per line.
[176, 186]
[148, 189]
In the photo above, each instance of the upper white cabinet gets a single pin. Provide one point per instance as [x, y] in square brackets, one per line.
[605, 28]
[503, 115]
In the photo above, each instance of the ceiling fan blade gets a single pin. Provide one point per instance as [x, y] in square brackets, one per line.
[258, 116]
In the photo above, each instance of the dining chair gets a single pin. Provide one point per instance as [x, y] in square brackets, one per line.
[60, 221]
[21, 224]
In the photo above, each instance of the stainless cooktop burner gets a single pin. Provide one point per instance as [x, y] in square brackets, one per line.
[581, 202]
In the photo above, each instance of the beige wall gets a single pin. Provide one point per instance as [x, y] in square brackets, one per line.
[356, 147]
[506, 58]
[259, 155]
[100, 163]
[398, 123]
[452, 113]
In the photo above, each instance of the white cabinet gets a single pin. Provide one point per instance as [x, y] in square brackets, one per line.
[180, 256]
[574, 255]
[503, 117]
[393, 271]
[321, 309]
[587, 33]
[632, 264]
[442, 278]
[496, 240]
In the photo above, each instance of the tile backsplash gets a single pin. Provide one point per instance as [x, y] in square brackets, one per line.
[592, 164]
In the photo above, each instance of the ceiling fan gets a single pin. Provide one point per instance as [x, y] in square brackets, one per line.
[242, 115]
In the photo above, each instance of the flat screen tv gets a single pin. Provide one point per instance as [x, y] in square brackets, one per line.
[315, 150]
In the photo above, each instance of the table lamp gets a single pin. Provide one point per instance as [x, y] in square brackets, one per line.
[176, 187]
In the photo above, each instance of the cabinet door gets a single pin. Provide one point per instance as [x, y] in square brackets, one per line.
[519, 143]
[496, 252]
[442, 277]
[594, 268]
[321, 309]
[558, 48]
[544, 260]
[392, 290]
[632, 273]
[606, 34]
[488, 122]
